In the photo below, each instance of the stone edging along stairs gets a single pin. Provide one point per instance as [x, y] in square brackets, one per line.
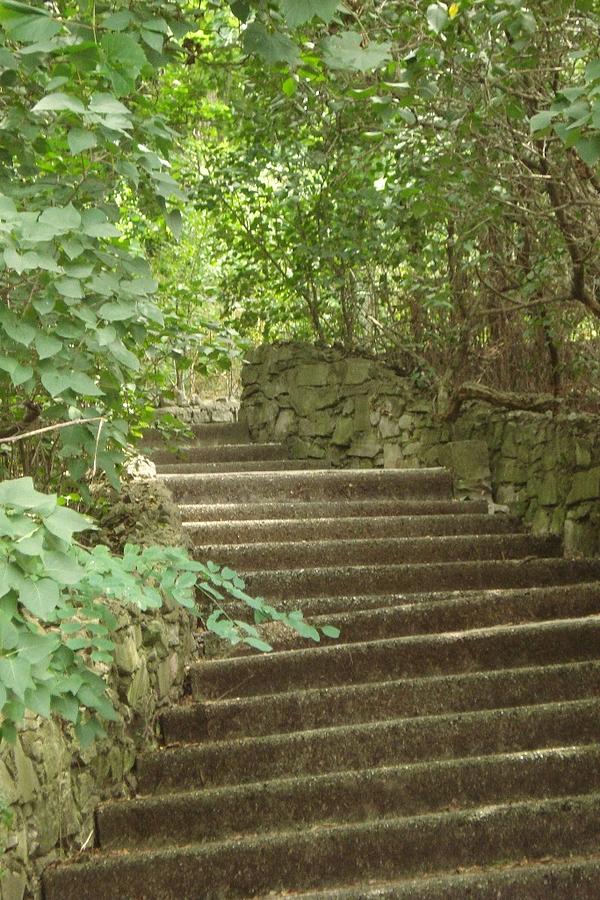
[445, 747]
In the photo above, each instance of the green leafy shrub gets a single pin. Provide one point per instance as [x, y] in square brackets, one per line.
[56, 619]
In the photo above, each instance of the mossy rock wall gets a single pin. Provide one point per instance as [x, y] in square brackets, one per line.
[49, 783]
[358, 412]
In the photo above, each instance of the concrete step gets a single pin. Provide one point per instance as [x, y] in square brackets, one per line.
[256, 465]
[215, 433]
[420, 616]
[347, 527]
[354, 796]
[288, 586]
[356, 509]
[295, 710]
[276, 555]
[294, 860]
[552, 879]
[509, 646]
[332, 484]
[389, 742]
[220, 453]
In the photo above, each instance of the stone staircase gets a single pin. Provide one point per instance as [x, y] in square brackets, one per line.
[445, 747]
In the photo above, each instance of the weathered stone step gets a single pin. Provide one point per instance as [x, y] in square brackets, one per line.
[295, 710]
[220, 453]
[257, 465]
[456, 614]
[354, 796]
[276, 555]
[575, 877]
[358, 509]
[294, 860]
[331, 484]
[508, 646]
[214, 433]
[259, 530]
[362, 746]
[288, 586]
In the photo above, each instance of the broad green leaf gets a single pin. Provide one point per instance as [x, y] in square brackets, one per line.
[59, 101]
[21, 374]
[66, 706]
[272, 48]
[47, 345]
[297, 12]
[15, 674]
[117, 21]
[117, 312]
[592, 70]
[346, 51]
[30, 29]
[437, 17]
[38, 699]
[64, 521]
[62, 567]
[21, 494]
[69, 287]
[22, 262]
[38, 647]
[588, 149]
[62, 218]
[541, 121]
[41, 597]
[153, 39]
[175, 222]
[55, 381]
[79, 140]
[19, 331]
[107, 104]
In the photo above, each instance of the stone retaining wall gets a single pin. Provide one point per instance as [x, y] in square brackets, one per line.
[196, 411]
[49, 783]
[358, 412]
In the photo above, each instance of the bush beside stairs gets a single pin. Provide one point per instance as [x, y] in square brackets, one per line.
[445, 747]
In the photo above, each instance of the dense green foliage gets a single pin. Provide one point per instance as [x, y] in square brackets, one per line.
[420, 180]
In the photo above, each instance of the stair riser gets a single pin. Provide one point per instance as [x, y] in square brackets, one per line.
[216, 433]
[431, 618]
[369, 746]
[385, 849]
[358, 509]
[220, 453]
[287, 587]
[336, 485]
[275, 465]
[347, 797]
[284, 713]
[508, 647]
[570, 878]
[345, 529]
[276, 556]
